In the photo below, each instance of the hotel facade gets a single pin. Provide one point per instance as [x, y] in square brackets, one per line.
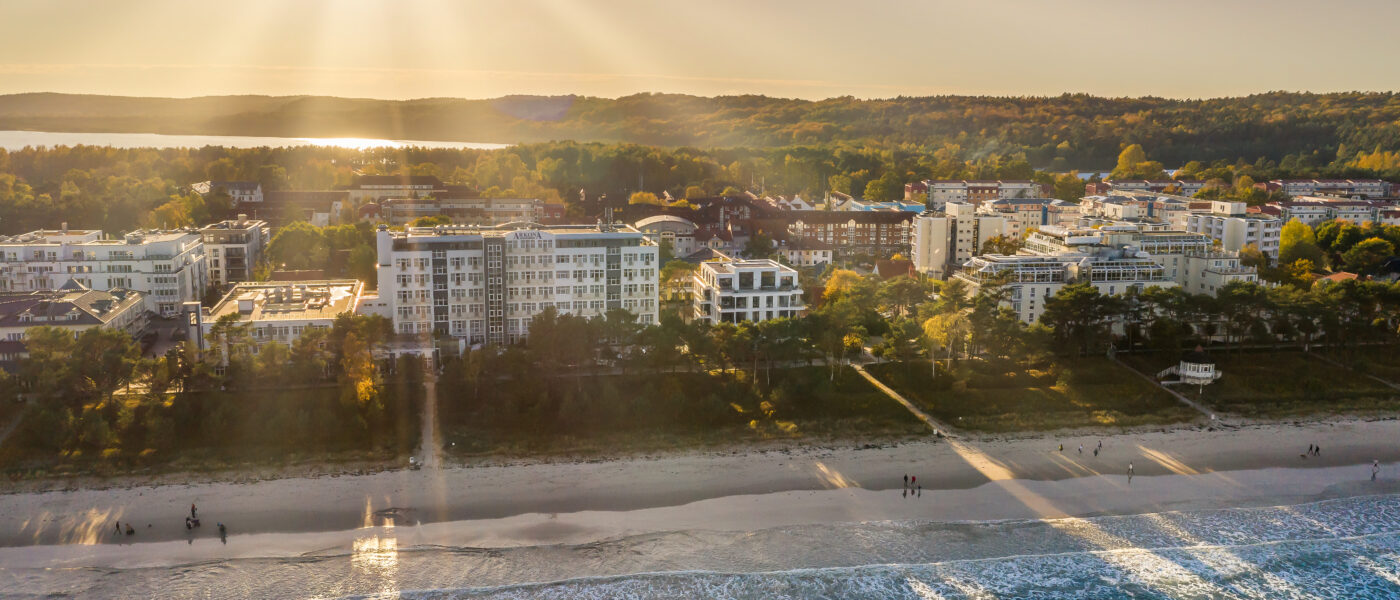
[485, 284]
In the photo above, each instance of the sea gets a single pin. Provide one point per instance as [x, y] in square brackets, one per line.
[1343, 548]
[16, 140]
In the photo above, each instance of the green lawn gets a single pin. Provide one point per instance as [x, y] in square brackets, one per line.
[632, 413]
[1084, 392]
[1280, 384]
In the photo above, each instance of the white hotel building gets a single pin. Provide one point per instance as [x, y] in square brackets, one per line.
[1230, 224]
[746, 290]
[169, 266]
[485, 284]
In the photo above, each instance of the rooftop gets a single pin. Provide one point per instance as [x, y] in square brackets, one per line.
[72, 305]
[292, 300]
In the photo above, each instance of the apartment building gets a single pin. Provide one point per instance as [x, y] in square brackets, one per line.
[1359, 188]
[485, 284]
[1181, 187]
[72, 307]
[1025, 214]
[169, 266]
[975, 192]
[877, 233]
[234, 248]
[1189, 259]
[376, 188]
[1031, 279]
[803, 252]
[732, 291]
[943, 241]
[1316, 210]
[461, 211]
[281, 311]
[1233, 227]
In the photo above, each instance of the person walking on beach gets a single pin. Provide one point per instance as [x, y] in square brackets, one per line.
[921, 491]
[1096, 452]
[906, 480]
[119, 527]
[194, 512]
[1375, 468]
[913, 480]
[1100, 445]
[1130, 472]
[1317, 450]
[1081, 448]
[1062, 447]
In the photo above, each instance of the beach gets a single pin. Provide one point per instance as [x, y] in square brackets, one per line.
[574, 502]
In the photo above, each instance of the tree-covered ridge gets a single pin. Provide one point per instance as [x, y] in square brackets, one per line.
[1063, 132]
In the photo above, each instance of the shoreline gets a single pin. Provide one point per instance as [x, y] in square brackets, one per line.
[357, 467]
[479, 494]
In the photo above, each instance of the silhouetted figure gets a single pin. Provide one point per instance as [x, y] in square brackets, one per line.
[223, 533]
[906, 480]
[194, 512]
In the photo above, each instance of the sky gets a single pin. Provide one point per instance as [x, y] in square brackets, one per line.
[790, 48]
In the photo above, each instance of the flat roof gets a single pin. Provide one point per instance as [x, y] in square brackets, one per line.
[289, 300]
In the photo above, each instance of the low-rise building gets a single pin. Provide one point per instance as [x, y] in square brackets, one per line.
[239, 192]
[376, 188]
[319, 208]
[677, 233]
[1358, 188]
[234, 248]
[745, 290]
[398, 212]
[168, 266]
[1182, 187]
[975, 192]
[72, 307]
[805, 252]
[282, 311]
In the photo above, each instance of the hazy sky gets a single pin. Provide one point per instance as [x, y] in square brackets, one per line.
[801, 48]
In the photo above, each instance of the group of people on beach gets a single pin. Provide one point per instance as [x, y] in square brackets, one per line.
[912, 487]
[1313, 450]
[1081, 448]
[191, 522]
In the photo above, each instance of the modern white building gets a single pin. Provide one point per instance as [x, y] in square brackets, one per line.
[281, 311]
[1189, 259]
[72, 307]
[1316, 210]
[745, 290]
[1229, 224]
[485, 284]
[169, 266]
[805, 252]
[234, 248]
[460, 211]
[944, 241]
[1030, 280]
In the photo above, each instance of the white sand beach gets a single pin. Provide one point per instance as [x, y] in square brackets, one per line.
[572, 503]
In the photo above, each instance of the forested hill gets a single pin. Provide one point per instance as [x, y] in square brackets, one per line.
[1080, 131]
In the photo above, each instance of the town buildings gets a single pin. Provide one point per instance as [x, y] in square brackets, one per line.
[943, 241]
[169, 266]
[376, 188]
[485, 284]
[72, 307]
[975, 192]
[1316, 210]
[317, 207]
[1230, 224]
[234, 248]
[732, 291]
[282, 311]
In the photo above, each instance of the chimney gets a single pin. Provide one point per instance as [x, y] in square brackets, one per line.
[64, 227]
[242, 219]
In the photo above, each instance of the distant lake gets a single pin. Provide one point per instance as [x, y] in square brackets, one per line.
[15, 140]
